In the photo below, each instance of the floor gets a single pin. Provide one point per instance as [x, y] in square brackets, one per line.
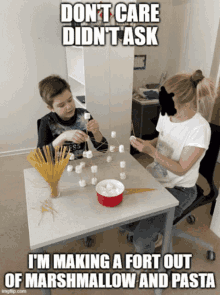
[15, 239]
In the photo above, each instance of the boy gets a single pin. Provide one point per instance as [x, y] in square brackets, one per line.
[65, 124]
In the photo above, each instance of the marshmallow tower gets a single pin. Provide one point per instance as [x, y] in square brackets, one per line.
[113, 134]
[78, 169]
[83, 164]
[94, 181]
[84, 154]
[122, 175]
[72, 157]
[109, 159]
[82, 183]
[121, 148]
[112, 148]
[69, 168]
[89, 154]
[122, 165]
[94, 170]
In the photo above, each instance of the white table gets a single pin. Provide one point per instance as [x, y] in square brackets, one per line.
[75, 202]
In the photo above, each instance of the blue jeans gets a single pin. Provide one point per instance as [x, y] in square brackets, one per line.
[145, 232]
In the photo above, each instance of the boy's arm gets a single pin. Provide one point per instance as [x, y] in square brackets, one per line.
[98, 136]
[99, 142]
[44, 134]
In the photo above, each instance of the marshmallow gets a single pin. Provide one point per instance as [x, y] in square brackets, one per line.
[69, 168]
[82, 164]
[85, 154]
[121, 148]
[132, 138]
[78, 169]
[112, 148]
[82, 183]
[118, 192]
[103, 191]
[113, 134]
[94, 180]
[72, 157]
[89, 154]
[113, 193]
[109, 159]
[87, 116]
[94, 169]
[122, 175]
[109, 186]
[122, 164]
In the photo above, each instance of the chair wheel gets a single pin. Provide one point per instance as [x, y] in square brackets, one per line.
[191, 219]
[88, 242]
[210, 255]
[129, 238]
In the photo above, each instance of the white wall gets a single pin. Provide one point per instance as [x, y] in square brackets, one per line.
[30, 50]
[193, 35]
[187, 40]
[156, 55]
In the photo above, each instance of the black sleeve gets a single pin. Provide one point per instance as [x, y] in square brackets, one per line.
[44, 135]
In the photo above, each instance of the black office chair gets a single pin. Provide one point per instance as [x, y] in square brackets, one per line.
[207, 168]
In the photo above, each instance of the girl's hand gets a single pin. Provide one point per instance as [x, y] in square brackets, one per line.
[143, 146]
[77, 136]
[93, 126]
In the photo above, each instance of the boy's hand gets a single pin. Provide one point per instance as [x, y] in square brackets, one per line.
[93, 126]
[143, 146]
[77, 136]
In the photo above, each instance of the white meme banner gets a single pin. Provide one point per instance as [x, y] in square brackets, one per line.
[122, 277]
[132, 17]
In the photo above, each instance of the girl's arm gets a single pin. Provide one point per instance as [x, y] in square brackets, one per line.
[188, 158]
[154, 141]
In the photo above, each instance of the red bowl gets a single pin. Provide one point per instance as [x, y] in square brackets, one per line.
[104, 199]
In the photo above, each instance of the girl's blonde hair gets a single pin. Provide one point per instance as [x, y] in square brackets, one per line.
[195, 89]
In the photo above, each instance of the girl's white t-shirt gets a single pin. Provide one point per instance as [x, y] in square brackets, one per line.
[173, 137]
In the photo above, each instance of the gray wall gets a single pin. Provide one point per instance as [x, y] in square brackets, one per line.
[30, 50]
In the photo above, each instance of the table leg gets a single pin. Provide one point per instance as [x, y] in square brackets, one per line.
[166, 241]
[44, 291]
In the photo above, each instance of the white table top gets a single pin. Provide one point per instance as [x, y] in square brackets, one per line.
[79, 212]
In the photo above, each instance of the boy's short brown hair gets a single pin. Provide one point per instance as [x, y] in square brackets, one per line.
[52, 86]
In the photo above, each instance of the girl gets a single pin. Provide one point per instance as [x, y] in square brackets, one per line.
[182, 142]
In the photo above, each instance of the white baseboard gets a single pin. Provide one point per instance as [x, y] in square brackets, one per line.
[16, 152]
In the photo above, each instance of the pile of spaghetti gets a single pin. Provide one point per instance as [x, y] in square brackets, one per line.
[50, 165]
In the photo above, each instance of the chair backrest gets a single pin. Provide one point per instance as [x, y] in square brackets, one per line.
[208, 163]
[207, 168]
